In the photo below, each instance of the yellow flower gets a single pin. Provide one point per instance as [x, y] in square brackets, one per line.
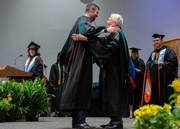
[176, 85]
[9, 99]
[179, 107]
[149, 110]
[178, 101]
[5, 100]
[134, 123]
[9, 95]
[168, 108]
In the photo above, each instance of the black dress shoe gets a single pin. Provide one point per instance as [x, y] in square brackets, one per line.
[103, 126]
[114, 126]
[84, 126]
[73, 124]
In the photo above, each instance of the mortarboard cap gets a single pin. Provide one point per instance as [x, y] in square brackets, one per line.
[158, 36]
[33, 45]
[134, 50]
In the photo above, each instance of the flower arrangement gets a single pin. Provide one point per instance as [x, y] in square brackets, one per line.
[5, 103]
[14, 90]
[158, 117]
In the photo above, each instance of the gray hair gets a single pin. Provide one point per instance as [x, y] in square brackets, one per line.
[118, 18]
[93, 6]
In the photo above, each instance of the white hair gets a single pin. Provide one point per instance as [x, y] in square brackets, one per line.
[118, 18]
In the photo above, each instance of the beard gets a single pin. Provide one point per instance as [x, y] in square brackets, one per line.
[93, 18]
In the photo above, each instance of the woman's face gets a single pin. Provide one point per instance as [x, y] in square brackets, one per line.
[32, 52]
[134, 56]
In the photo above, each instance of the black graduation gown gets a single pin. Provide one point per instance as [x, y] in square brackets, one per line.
[167, 75]
[139, 64]
[78, 62]
[37, 69]
[106, 49]
[53, 82]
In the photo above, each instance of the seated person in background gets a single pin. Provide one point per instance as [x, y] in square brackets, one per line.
[33, 64]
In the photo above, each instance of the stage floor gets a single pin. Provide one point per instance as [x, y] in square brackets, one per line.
[60, 123]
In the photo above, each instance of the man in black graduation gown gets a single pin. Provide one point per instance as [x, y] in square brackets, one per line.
[110, 51]
[56, 80]
[77, 88]
[161, 70]
[135, 97]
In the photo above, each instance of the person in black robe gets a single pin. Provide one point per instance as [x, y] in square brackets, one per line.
[110, 51]
[56, 81]
[78, 61]
[134, 98]
[33, 64]
[161, 70]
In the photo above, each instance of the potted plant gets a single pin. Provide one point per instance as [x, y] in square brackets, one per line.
[35, 99]
[10, 110]
[2, 110]
[157, 117]
[16, 92]
[3, 103]
[5, 107]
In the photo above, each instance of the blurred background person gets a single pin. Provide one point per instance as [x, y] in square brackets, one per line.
[134, 98]
[56, 80]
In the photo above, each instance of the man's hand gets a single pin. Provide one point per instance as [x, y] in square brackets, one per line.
[137, 70]
[160, 63]
[55, 88]
[113, 29]
[79, 37]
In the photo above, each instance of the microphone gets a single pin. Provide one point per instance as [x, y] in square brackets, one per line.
[16, 59]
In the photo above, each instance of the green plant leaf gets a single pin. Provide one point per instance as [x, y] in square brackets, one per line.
[173, 101]
[173, 95]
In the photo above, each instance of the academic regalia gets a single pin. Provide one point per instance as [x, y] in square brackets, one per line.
[78, 62]
[137, 93]
[33, 45]
[56, 79]
[34, 64]
[35, 67]
[44, 70]
[139, 64]
[158, 91]
[110, 52]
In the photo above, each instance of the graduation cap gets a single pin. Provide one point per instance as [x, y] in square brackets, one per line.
[158, 36]
[134, 50]
[33, 45]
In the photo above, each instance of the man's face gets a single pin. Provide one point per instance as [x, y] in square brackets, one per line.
[110, 21]
[157, 42]
[94, 13]
[32, 52]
